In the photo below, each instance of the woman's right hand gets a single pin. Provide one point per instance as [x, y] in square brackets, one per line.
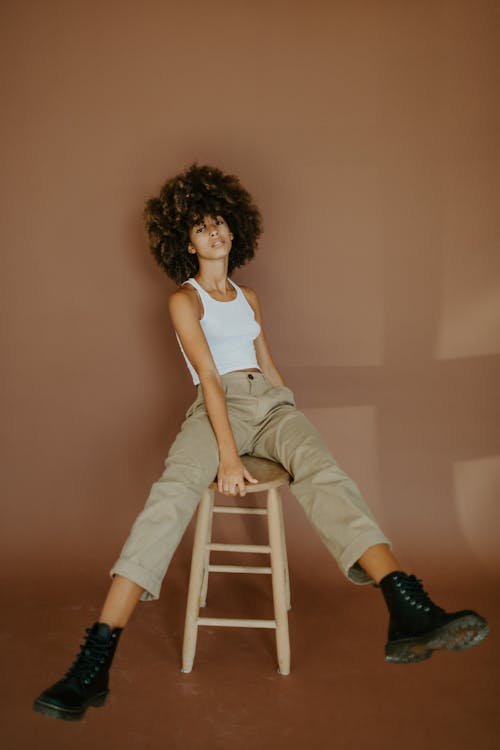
[231, 476]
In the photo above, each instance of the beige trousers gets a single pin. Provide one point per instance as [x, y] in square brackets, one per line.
[266, 423]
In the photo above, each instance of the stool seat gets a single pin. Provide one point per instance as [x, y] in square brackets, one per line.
[269, 473]
[271, 476]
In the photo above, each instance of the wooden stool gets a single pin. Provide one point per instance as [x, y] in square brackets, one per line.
[271, 476]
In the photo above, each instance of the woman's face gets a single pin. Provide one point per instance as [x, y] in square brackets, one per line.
[211, 238]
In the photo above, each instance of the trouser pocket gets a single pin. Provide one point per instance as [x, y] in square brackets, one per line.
[283, 395]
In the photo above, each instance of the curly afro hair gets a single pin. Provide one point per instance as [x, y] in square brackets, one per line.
[183, 202]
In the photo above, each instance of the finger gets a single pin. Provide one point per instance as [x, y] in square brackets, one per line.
[252, 479]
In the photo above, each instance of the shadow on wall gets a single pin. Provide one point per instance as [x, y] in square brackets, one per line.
[416, 425]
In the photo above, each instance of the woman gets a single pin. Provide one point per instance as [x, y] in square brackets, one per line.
[201, 227]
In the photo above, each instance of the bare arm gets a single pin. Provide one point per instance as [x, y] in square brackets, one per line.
[264, 358]
[184, 315]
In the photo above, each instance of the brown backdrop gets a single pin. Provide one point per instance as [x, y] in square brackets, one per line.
[367, 132]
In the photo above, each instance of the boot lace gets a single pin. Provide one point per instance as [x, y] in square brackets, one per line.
[413, 592]
[89, 660]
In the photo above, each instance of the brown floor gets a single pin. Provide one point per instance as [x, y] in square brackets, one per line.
[340, 693]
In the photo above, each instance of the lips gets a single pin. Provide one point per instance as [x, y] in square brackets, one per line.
[217, 243]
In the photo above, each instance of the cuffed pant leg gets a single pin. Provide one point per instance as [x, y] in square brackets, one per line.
[191, 465]
[329, 497]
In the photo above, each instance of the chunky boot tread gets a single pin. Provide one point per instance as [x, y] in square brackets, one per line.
[458, 634]
[68, 714]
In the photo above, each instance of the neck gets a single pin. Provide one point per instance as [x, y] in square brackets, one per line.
[213, 282]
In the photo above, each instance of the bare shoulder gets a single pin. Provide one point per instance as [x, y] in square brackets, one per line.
[185, 297]
[250, 294]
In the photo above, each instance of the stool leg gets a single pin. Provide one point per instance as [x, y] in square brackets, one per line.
[279, 589]
[195, 581]
[206, 561]
[283, 542]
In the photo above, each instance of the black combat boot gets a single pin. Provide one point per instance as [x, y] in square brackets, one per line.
[86, 681]
[417, 626]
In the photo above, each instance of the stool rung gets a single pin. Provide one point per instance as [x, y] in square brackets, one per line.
[262, 548]
[238, 569]
[232, 509]
[226, 622]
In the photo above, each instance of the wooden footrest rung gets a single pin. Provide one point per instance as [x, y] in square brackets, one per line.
[229, 622]
[239, 569]
[262, 548]
[233, 509]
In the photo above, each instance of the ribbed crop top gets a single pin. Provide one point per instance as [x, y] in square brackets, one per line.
[230, 329]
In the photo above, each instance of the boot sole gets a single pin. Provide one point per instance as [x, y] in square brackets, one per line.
[68, 714]
[462, 633]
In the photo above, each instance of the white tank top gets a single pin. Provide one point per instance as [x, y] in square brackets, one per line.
[230, 329]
